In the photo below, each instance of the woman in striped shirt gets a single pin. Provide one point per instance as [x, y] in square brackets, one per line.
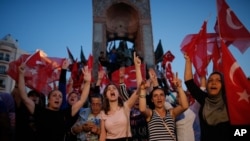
[161, 122]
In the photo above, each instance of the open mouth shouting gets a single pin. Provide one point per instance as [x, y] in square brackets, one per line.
[112, 94]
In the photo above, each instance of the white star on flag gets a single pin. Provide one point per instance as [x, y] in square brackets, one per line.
[33, 71]
[243, 96]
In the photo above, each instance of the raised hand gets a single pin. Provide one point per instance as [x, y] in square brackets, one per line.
[144, 85]
[86, 74]
[101, 74]
[137, 60]
[186, 57]
[176, 81]
[21, 69]
[152, 75]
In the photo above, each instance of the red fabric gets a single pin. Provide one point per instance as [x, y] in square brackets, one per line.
[230, 27]
[130, 76]
[167, 57]
[216, 57]
[188, 43]
[105, 80]
[200, 59]
[76, 75]
[90, 62]
[196, 47]
[76, 72]
[13, 66]
[166, 63]
[90, 65]
[40, 73]
[237, 89]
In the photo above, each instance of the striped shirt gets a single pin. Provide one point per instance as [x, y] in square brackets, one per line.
[158, 131]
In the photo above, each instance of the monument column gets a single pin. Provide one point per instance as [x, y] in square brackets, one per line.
[128, 20]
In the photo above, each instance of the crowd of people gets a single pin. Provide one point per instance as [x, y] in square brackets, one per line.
[147, 112]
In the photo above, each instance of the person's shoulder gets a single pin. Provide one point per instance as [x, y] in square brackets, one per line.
[102, 114]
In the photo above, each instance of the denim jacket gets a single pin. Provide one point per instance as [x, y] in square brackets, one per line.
[84, 116]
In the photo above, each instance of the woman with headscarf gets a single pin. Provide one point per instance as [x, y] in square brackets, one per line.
[213, 114]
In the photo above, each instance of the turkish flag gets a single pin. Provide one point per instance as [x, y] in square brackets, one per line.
[40, 72]
[231, 28]
[13, 66]
[130, 76]
[105, 80]
[167, 57]
[216, 57]
[200, 59]
[237, 89]
[166, 64]
[76, 74]
[90, 65]
[90, 62]
[188, 43]
[199, 48]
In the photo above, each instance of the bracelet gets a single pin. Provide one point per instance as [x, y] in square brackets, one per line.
[142, 95]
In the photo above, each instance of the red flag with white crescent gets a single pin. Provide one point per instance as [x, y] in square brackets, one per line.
[231, 28]
[130, 75]
[41, 71]
[237, 89]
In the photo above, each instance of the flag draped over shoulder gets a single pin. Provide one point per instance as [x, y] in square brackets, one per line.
[40, 72]
[130, 76]
[230, 28]
[237, 89]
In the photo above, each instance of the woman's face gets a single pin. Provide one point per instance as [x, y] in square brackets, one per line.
[55, 100]
[214, 84]
[73, 98]
[158, 98]
[112, 93]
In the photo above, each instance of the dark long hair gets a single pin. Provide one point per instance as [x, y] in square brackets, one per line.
[106, 106]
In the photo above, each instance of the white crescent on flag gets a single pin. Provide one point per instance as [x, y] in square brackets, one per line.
[232, 71]
[230, 21]
[132, 71]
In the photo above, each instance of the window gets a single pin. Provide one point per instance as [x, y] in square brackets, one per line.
[7, 57]
[1, 55]
[2, 85]
[2, 70]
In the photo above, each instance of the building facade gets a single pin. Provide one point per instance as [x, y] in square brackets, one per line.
[9, 51]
